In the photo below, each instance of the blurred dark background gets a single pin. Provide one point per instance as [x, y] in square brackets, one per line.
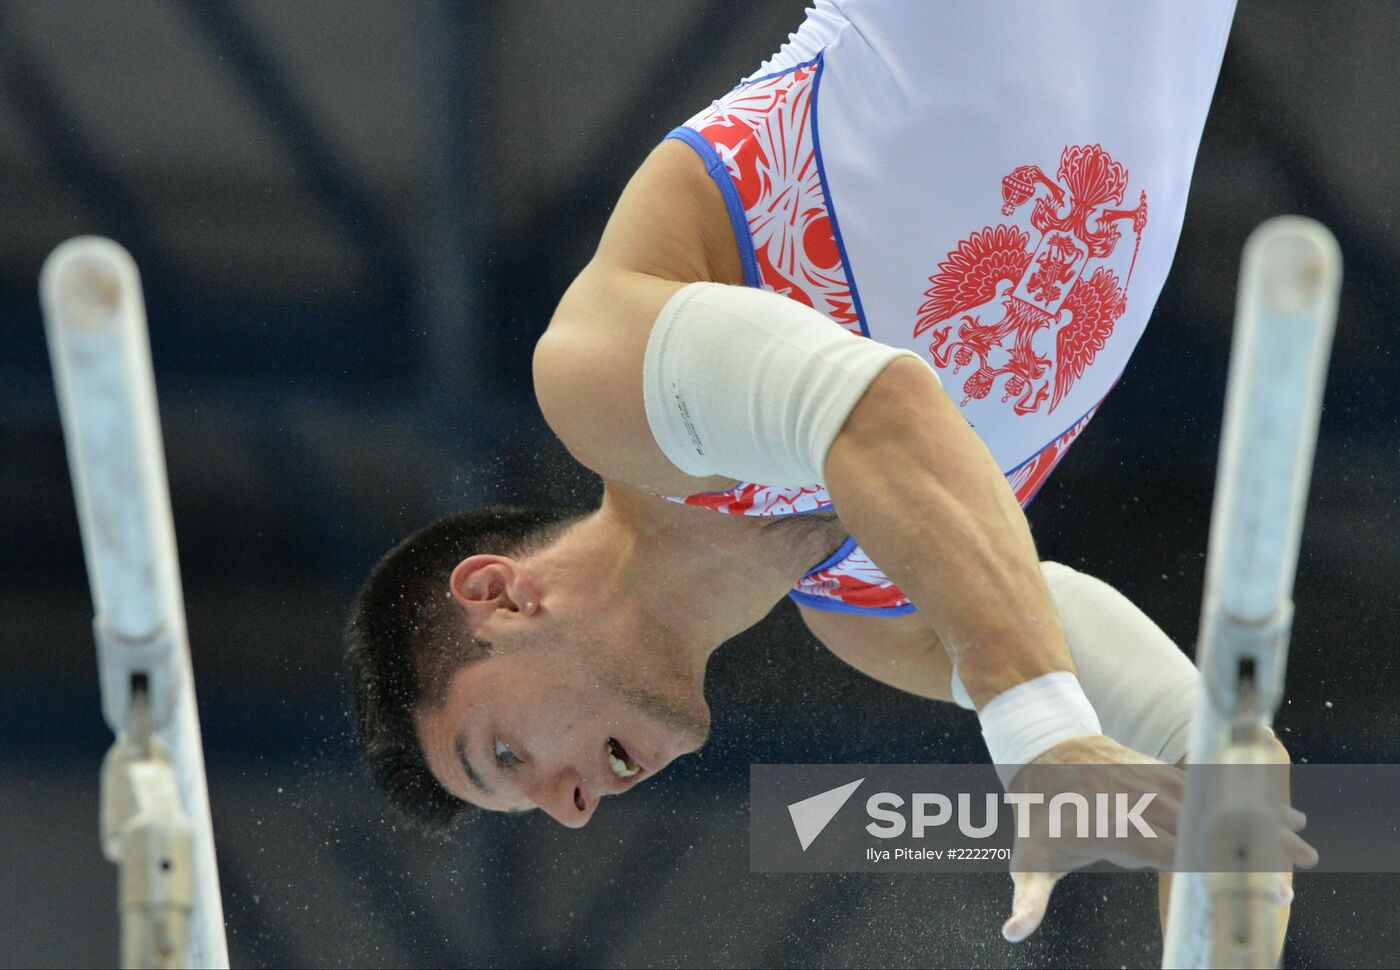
[353, 221]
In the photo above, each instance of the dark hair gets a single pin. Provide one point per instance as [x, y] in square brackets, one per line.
[406, 637]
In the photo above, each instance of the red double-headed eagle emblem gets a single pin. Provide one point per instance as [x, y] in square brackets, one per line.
[1056, 285]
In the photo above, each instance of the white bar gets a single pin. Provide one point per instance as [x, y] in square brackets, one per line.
[1290, 278]
[100, 352]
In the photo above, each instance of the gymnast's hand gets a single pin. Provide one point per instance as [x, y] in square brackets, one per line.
[1077, 766]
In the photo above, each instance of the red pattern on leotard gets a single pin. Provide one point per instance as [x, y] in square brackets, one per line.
[853, 581]
[763, 133]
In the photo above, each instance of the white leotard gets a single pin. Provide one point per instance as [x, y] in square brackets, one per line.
[998, 186]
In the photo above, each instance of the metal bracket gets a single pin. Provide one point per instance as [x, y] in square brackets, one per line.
[120, 660]
[1245, 670]
[149, 835]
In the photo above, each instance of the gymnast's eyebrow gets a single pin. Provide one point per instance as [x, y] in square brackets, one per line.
[461, 748]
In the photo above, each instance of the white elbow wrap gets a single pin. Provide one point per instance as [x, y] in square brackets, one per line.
[1143, 688]
[744, 383]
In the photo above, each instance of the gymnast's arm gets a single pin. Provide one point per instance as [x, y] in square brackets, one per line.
[670, 227]
[921, 493]
[1139, 681]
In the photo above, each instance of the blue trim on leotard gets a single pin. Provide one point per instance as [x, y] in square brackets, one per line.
[737, 217]
[831, 203]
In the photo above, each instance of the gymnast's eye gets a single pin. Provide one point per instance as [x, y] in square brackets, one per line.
[504, 756]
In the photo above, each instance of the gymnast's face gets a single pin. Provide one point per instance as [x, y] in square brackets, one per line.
[559, 716]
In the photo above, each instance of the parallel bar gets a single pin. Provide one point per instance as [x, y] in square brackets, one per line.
[98, 344]
[1285, 317]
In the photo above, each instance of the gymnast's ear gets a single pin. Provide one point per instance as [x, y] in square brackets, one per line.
[487, 586]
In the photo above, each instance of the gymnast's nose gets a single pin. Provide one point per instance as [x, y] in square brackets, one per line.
[565, 797]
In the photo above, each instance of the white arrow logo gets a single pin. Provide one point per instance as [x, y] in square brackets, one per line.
[811, 815]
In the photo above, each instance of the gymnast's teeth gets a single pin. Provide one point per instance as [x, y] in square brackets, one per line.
[620, 768]
[622, 765]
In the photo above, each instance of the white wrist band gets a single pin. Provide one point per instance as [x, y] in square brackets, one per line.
[1022, 723]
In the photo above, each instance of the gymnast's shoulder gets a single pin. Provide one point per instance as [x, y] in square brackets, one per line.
[588, 363]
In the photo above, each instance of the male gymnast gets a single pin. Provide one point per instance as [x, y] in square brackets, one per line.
[840, 327]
